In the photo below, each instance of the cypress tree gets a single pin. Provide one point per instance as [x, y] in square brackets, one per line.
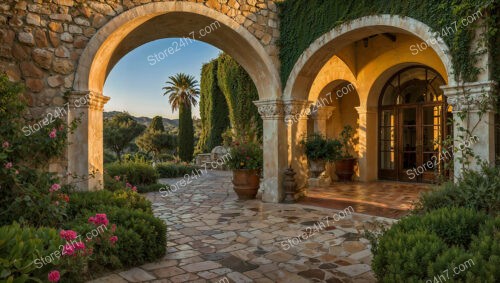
[186, 133]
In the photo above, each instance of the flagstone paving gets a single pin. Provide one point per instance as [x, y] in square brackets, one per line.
[213, 237]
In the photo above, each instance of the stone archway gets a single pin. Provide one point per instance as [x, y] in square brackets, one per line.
[322, 49]
[138, 26]
[310, 74]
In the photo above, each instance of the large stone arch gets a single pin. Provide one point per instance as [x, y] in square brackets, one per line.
[132, 28]
[138, 26]
[322, 49]
[311, 73]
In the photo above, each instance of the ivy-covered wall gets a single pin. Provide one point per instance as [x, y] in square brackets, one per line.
[303, 21]
[214, 111]
[240, 92]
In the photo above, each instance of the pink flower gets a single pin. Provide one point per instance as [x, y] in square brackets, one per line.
[99, 219]
[68, 250]
[53, 133]
[113, 228]
[134, 188]
[68, 235]
[5, 144]
[54, 276]
[8, 165]
[79, 246]
[55, 187]
[128, 185]
[113, 239]
[17, 172]
[56, 202]
[117, 178]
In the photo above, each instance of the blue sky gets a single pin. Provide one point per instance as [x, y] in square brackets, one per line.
[135, 83]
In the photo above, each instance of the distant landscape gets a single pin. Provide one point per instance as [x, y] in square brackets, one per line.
[171, 125]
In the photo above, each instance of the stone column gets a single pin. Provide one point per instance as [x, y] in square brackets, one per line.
[296, 112]
[85, 150]
[473, 102]
[320, 116]
[367, 144]
[275, 149]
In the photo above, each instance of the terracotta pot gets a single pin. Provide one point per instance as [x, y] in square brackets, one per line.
[344, 169]
[316, 167]
[246, 183]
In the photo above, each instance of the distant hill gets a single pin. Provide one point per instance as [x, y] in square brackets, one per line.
[169, 123]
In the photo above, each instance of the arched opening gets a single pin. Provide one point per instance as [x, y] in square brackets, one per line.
[413, 123]
[146, 23]
[366, 52]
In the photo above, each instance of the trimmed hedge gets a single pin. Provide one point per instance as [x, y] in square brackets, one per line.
[136, 173]
[174, 170]
[90, 201]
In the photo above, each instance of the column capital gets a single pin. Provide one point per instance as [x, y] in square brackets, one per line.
[469, 96]
[272, 109]
[87, 99]
[295, 109]
[323, 112]
[366, 110]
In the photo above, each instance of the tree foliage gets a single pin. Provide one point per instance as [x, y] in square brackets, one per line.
[183, 91]
[186, 133]
[157, 124]
[155, 139]
[119, 131]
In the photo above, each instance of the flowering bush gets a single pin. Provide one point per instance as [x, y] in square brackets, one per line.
[245, 155]
[23, 182]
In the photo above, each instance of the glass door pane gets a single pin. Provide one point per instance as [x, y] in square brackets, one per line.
[408, 140]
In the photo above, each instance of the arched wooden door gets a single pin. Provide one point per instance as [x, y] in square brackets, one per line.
[413, 115]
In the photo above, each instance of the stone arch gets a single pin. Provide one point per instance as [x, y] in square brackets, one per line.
[138, 26]
[320, 51]
[132, 28]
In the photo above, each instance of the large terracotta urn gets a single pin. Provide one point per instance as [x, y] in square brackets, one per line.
[344, 168]
[246, 183]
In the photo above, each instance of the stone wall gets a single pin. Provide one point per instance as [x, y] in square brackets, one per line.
[41, 41]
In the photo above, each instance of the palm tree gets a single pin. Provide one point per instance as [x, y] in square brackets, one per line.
[183, 91]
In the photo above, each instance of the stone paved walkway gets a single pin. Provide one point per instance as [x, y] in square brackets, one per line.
[213, 237]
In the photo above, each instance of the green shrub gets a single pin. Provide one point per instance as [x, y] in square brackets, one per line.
[475, 190]
[21, 250]
[455, 226]
[131, 225]
[134, 172]
[90, 201]
[174, 170]
[403, 256]
[422, 247]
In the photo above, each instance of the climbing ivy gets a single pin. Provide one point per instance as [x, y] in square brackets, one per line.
[303, 21]
[214, 111]
[240, 92]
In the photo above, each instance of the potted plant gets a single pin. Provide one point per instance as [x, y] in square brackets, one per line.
[344, 165]
[246, 162]
[319, 150]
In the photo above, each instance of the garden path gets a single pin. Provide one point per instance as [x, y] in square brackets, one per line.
[213, 237]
